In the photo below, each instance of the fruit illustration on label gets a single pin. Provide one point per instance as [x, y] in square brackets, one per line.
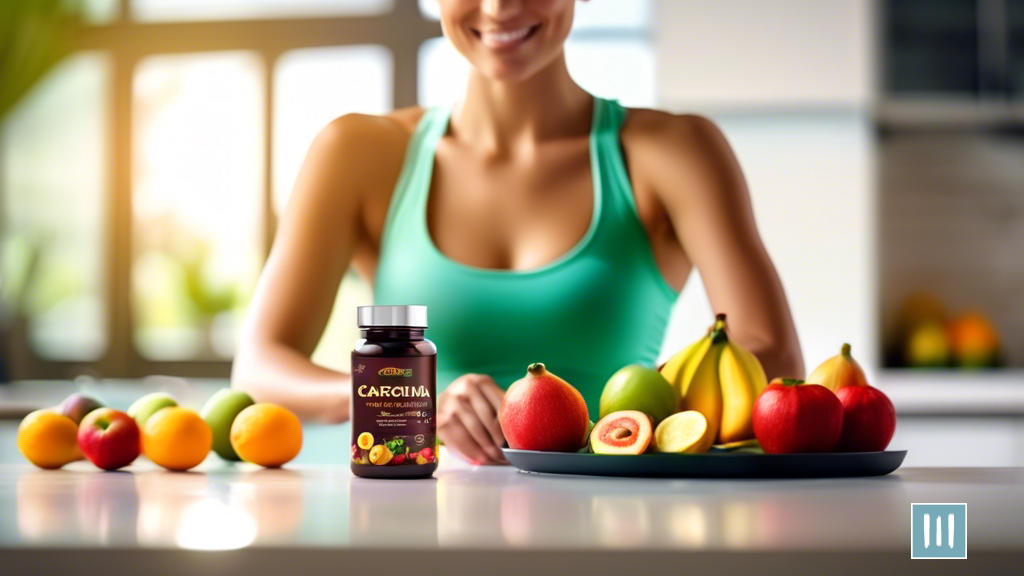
[637, 387]
[719, 379]
[623, 432]
[543, 412]
[839, 371]
[365, 441]
[380, 455]
[399, 459]
[684, 432]
[792, 416]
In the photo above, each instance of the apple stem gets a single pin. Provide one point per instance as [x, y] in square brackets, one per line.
[537, 368]
[845, 350]
[792, 381]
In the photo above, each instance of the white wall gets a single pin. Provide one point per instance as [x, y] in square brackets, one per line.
[765, 54]
[789, 83]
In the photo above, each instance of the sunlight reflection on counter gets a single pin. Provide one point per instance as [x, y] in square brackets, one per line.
[209, 524]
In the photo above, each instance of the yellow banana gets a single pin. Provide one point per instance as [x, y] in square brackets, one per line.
[719, 379]
[680, 368]
[742, 379]
[704, 393]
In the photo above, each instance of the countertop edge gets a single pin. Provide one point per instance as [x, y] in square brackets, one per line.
[470, 561]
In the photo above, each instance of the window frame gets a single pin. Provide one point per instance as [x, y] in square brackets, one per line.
[401, 31]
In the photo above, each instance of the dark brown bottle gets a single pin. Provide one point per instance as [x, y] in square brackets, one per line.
[394, 371]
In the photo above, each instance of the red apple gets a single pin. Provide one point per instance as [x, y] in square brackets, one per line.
[109, 438]
[869, 419]
[791, 416]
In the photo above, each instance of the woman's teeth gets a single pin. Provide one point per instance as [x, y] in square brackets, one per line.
[504, 38]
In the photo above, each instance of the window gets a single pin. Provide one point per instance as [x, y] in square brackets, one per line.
[54, 190]
[140, 183]
[156, 10]
[316, 85]
[196, 201]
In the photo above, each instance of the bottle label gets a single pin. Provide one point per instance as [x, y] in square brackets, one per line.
[393, 420]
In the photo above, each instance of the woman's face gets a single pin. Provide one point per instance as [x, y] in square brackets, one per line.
[507, 39]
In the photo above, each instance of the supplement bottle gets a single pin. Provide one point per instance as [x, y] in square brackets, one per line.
[393, 394]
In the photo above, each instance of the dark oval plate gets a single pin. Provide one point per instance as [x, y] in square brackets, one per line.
[711, 464]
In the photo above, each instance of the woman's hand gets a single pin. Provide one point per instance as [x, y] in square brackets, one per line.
[467, 419]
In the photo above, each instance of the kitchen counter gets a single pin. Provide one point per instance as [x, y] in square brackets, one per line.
[493, 519]
[314, 516]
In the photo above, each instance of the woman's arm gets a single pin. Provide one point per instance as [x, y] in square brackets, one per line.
[705, 196]
[312, 250]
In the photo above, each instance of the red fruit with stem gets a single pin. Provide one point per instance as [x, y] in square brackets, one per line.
[543, 412]
[792, 416]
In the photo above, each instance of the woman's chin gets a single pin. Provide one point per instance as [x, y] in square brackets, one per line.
[509, 70]
[505, 73]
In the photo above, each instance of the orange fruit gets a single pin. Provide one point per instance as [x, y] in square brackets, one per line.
[48, 440]
[973, 339]
[176, 438]
[266, 434]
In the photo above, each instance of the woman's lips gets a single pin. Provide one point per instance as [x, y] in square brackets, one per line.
[504, 39]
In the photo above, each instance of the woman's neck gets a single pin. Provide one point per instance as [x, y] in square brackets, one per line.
[500, 115]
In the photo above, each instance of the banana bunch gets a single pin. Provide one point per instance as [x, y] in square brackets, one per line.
[720, 380]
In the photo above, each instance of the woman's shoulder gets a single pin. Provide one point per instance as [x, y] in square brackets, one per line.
[360, 129]
[666, 149]
[368, 147]
[667, 132]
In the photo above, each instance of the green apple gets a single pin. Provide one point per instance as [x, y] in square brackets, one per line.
[148, 405]
[637, 387]
[219, 412]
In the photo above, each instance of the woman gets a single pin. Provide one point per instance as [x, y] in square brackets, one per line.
[537, 222]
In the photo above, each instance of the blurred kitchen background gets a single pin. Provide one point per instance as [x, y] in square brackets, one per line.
[147, 148]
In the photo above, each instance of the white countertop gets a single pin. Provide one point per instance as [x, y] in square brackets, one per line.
[81, 512]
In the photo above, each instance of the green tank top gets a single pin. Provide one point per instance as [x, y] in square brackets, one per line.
[598, 307]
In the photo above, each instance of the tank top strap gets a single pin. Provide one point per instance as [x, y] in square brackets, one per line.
[413, 183]
[616, 189]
